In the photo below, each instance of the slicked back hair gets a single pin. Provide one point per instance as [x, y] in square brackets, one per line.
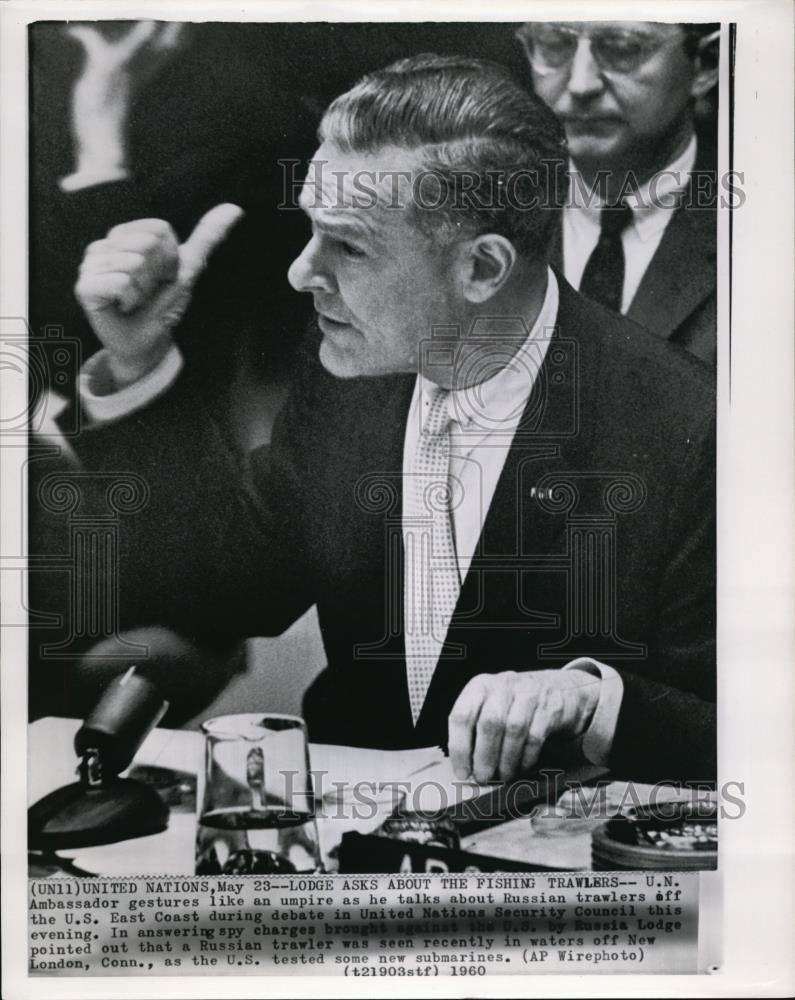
[492, 157]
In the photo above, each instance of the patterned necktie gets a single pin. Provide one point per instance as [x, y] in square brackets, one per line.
[603, 277]
[431, 581]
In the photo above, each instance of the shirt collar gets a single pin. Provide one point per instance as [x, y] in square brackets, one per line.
[653, 199]
[497, 403]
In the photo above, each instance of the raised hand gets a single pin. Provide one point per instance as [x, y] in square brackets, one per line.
[135, 285]
[102, 95]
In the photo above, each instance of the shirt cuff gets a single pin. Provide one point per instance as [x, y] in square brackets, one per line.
[597, 740]
[103, 402]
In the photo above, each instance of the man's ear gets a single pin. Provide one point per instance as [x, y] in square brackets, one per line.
[485, 265]
[707, 64]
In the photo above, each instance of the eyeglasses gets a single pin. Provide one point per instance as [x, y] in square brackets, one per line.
[552, 47]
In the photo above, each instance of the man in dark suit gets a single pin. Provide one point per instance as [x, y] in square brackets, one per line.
[498, 495]
[626, 93]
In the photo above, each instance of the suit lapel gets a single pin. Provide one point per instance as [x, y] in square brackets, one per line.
[365, 504]
[500, 589]
[682, 273]
[378, 485]
[551, 431]
[362, 573]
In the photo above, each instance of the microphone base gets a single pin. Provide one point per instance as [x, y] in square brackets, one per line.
[81, 816]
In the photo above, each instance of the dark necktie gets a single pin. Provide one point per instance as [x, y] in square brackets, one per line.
[603, 277]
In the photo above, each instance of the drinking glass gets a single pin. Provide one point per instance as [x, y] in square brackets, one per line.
[256, 801]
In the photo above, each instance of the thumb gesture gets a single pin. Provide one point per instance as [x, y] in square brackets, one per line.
[136, 284]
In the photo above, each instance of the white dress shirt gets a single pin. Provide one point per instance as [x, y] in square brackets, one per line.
[484, 421]
[653, 206]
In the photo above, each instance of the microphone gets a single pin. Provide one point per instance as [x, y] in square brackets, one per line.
[102, 808]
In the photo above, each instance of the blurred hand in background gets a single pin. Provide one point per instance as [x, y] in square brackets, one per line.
[113, 68]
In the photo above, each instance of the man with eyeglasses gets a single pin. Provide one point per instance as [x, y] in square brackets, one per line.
[639, 231]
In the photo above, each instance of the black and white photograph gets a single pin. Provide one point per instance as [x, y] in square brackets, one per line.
[368, 487]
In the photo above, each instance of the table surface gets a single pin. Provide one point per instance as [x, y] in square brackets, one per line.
[544, 840]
